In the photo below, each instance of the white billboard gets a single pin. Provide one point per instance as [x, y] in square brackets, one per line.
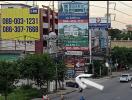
[73, 53]
[99, 22]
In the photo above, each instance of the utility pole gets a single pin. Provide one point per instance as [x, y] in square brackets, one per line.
[53, 18]
[107, 48]
[53, 29]
[90, 43]
[90, 51]
[0, 31]
[25, 44]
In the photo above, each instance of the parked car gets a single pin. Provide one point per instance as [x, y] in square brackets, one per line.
[72, 84]
[125, 77]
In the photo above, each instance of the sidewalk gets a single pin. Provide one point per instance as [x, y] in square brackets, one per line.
[70, 89]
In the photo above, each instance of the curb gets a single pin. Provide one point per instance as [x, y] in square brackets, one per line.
[69, 92]
[65, 93]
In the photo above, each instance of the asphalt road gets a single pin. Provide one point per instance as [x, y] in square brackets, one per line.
[113, 90]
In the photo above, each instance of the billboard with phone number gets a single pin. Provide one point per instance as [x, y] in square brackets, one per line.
[20, 24]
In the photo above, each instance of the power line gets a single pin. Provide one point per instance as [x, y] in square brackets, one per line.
[125, 4]
[119, 22]
[112, 9]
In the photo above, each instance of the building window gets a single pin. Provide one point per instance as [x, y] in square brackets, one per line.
[44, 43]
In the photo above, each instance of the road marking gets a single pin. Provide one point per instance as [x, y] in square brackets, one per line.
[83, 83]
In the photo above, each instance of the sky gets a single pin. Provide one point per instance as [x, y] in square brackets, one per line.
[124, 19]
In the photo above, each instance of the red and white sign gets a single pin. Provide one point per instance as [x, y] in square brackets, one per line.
[76, 48]
[73, 53]
[73, 21]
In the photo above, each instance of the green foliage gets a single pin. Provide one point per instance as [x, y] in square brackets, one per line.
[61, 70]
[23, 94]
[37, 67]
[122, 55]
[116, 33]
[97, 65]
[8, 73]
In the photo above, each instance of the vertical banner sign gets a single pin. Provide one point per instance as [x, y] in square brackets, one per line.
[73, 24]
[98, 26]
[20, 24]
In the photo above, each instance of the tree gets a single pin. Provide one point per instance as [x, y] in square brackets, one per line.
[61, 71]
[114, 33]
[8, 73]
[37, 67]
[122, 56]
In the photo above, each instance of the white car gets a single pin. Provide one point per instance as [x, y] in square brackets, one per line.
[125, 78]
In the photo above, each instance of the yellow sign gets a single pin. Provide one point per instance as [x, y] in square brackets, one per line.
[20, 24]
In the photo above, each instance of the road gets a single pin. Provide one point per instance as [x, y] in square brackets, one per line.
[114, 90]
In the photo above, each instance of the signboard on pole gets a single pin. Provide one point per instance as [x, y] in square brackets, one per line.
[99, 22]
[73, 10]
[73, 24]
[98, 26]
[74, 53]
[18, 23]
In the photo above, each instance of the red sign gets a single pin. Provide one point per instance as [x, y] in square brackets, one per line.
[72, 61]
[73, 21]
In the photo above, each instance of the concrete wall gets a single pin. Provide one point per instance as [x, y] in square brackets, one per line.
[121, 43]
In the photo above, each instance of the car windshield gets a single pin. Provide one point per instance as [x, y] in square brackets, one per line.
[124, 75]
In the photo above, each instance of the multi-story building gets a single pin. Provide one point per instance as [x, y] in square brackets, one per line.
[49, 23]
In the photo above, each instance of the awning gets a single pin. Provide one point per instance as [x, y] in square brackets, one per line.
[9, 57]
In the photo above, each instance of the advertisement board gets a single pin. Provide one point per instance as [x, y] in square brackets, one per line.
[74, 34]
[73, 24]
[99, 22]
[74, 53]
[20, 24]
[77, 63]
[73, 10]
[98, 27]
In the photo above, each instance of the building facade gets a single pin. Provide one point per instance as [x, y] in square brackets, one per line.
[48, 25]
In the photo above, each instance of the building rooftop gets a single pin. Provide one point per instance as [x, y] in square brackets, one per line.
[74, 2]
[17, 4]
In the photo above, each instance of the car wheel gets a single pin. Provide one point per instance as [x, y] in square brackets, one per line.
[75, 86]
[66, 85]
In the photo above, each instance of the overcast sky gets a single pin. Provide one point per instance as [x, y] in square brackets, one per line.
[100, 12]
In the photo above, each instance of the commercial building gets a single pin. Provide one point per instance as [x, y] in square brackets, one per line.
[48, 23]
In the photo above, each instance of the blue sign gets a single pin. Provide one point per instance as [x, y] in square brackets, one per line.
[70, 72]
[33, 10]
[73, 10]
[73, 16]
[99, 25]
